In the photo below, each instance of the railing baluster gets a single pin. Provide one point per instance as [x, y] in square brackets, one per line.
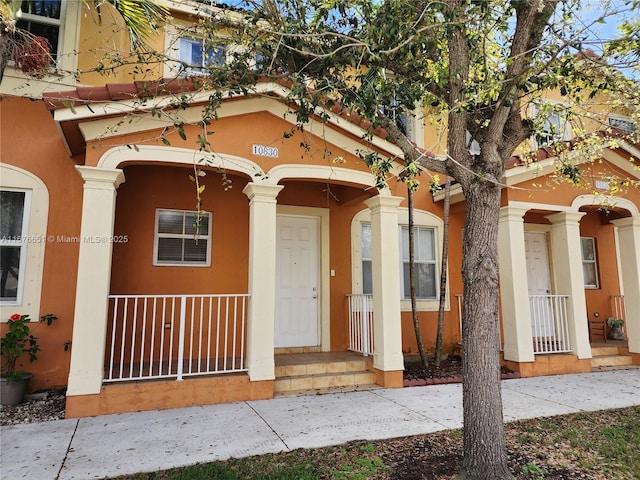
[124, 331]
[173, 318]
[209, 336]
[153, 338]
[133, 336]
[183, 320]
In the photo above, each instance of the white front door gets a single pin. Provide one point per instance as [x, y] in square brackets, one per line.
[539, 280]
[297, 282]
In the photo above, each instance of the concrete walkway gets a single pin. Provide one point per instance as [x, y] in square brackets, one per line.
[113, 445]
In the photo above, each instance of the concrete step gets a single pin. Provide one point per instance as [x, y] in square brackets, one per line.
[323, 380]
[611, 361]
[320, 368]
[602, 351]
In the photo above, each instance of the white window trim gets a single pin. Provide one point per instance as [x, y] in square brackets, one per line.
[436, 262]
[21, 242]
[594, 262]
[17, 83]
[54, 22]
[173, 65]
[421, 219]
[156, 236]
[36, 216]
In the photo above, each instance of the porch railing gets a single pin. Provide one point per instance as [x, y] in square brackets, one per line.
[617, 307]
[175, 336]
[549, 323]
[361, 323]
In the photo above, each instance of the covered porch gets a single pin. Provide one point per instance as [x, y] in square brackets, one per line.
[141, 341]
[561, 271]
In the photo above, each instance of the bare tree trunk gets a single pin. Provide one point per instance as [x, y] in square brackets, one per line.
[485, 454]
[412, 282]
[443, 269]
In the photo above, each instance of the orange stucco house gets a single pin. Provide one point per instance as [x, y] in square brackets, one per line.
[296, 252]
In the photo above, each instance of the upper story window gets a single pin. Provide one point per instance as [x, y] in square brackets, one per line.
[43, 18]
[182, 238]
[589, 265]
[197, 55]
[14, 224]
[624, 124]
[554, 125]
[190, 53]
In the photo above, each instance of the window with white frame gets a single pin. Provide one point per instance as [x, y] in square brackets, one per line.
[554, 125]
[589, 262]
[426, 280]
[623, 124]
[424, 262]
[367, 275]
[14, 210]
[182, 238]
[197, 55]
[43, 18]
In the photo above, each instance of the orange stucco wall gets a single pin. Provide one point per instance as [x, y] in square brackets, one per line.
[31, 141]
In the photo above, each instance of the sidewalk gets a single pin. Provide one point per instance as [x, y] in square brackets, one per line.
[113, 445]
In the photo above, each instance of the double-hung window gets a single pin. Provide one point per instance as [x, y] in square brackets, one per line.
[43, 18]
[367, 276]
[554, 125]
[424, 262]
[14, 208]
[182, 238]
[589, 265]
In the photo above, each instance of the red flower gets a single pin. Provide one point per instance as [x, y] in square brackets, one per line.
[15, 316]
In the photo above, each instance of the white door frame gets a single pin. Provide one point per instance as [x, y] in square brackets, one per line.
[543, 312]
[324, 305]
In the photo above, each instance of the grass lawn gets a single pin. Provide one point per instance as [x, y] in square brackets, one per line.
[593, 445]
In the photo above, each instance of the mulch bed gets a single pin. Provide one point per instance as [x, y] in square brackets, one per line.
[449, 371]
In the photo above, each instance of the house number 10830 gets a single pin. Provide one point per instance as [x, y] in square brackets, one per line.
[265, 151]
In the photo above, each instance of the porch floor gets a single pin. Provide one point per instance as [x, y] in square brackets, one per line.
[609, 343]
[287, 359]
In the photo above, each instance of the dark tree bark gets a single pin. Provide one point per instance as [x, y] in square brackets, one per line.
[443, 269]
[412, 282]
[484, 441]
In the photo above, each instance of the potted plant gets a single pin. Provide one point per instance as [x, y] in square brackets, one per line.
[18, 342]
[615, 324]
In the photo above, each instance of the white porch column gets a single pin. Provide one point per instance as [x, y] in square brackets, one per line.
[94, 277]
[629, 254]
[514, 292]
[566, 252]
[385, 244]
[262, 277]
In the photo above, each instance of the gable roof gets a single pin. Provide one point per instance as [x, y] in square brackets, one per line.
[84, 105]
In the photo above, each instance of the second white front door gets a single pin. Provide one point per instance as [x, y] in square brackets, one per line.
[539, 281]
[297, 282]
